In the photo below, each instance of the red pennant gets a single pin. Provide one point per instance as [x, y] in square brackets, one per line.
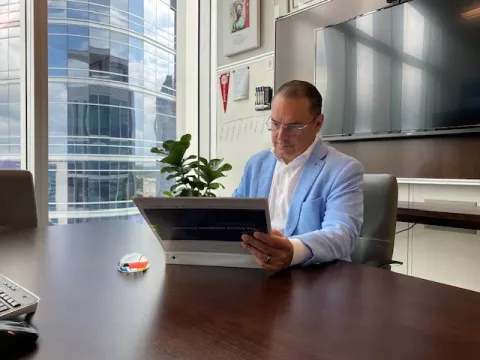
[224, 82]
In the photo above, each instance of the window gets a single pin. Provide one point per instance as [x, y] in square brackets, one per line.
[10, 74]
[112, 96]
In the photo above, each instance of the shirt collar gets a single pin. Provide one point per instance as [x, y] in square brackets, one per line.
[303, 157]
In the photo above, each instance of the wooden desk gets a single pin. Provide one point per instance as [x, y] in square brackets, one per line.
[339, 311]
[440, 215]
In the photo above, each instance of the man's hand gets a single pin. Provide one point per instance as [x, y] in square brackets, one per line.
[272, 252]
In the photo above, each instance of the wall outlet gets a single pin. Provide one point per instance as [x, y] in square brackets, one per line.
[270, 63]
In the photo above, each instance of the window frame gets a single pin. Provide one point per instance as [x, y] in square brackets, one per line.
[34, 99]
[192, 55]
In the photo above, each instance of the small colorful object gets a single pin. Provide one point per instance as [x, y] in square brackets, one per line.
[132, 263]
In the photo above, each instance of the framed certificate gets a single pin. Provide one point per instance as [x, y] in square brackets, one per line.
[241, 21]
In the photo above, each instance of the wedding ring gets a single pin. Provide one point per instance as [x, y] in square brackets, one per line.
[267, 260]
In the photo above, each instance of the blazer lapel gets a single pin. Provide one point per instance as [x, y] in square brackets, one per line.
[309, 174]
[266, 176]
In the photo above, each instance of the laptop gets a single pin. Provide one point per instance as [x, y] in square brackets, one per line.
[205, 231]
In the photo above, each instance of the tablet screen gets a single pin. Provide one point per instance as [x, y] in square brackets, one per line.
[205, 224]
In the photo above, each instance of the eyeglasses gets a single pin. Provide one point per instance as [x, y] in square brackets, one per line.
[293, 128]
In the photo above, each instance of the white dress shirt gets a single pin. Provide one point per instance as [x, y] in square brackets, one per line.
[284, 182]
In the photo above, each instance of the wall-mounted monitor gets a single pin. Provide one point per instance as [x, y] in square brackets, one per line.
[409, 69]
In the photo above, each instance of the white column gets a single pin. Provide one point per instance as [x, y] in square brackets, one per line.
[36, 89]
[187, 70]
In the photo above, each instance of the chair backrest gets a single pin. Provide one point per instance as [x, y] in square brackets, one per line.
[380, 201]
[17, 200]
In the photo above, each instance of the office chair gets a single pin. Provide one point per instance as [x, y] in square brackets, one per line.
[377, 238]
[18, 208]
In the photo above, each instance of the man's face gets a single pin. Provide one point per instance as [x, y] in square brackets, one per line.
[290, 143]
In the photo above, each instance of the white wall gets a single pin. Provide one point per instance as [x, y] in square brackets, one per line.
[187, 73]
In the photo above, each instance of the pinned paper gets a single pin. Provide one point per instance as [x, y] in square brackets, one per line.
[241, 83]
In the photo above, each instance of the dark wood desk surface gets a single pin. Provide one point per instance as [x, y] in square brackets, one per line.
[339, 311]
[439, 214]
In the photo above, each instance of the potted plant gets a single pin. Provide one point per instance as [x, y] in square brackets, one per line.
[194, 176]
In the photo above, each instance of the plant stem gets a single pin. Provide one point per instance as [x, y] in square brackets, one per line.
[206, 189]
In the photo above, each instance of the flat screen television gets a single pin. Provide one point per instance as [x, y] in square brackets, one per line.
[405, 70]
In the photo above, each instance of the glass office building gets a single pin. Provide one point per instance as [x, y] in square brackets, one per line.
[112, 96]
[10, 63]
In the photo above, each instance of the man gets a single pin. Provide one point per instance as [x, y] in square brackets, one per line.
[314, 191]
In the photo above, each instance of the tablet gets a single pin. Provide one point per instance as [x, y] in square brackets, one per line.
[190, 228]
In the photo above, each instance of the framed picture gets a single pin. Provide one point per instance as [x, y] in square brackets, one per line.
[241, 21]
[299, 4]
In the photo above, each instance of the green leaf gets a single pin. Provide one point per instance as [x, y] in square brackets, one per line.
[216, 175]
[214, 163]
[172, 176]
[191, 157]
[205, 177]
[167, 145]
[157, 151]
[225, 167]
[184, 170]
[167, 193]
[176, 154]
[187, 168]
[168, 169]
[197, 184]
[186, 193]
[203, 161]
[186, 138]
[216, 186]
[205, 169]
[176, 187]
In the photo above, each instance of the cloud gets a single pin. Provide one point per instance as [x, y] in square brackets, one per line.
[57, 92]
[58, 110]
[118, 18]
[121, 4]
[150, 12]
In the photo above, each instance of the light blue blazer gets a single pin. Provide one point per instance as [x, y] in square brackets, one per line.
[326, 212]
